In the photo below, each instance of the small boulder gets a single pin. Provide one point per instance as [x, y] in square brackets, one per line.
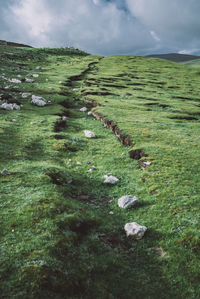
[15, 81]
[38, 101]
[135, 230]
[7, 106]
[16, 107]
[84, 109]
[92, 169]
[64, 118]
[29, 80]
[26, 95]
[89, 134]
[127, 201]
[90, 113]
[110, 179]
[5, 172]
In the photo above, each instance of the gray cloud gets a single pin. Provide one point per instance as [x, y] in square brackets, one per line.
[104, 26]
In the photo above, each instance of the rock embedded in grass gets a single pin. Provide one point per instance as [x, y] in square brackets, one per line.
[127, 201]
[38, 101]
[10, 107]
[90, 113]
[135, 230]
[89, 134]
[92, 169]
[26, 95]
[84, 109]
[29, 80]
[15, 81]
[110, 179]
[5, 172]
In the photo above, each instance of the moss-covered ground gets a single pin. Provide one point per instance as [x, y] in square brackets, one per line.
[61, 231]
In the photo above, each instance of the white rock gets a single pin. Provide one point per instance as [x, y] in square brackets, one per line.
[110, 179]
[92, 169]
[47, 79]
[35, 75]
[90, 113]
[5, 172]
[78, 163]
[147, 163]
[89, 134]
[135, 230]
[60, 82]
[64, 117]
[38, 101]
[38, 68]
[19, 76]
[127, 201]
[29, 80]
[26, 95]
[32, 122]
[15, 81]
[7, 106]
[16, 107]
[84, 109]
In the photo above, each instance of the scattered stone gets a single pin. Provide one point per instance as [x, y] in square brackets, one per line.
[127, 201]
[88, 162]
[60, 82]
[90, 113]
[147, 163]
[47, 79]
[111, 213]
[135, 230]
[5, 172]
[29, 80]
[13, 120]
[38, 101]
[110, 179]
[43, 121]
[32, 122]
[92, 169]
[19, 76]
[38, 68]
[35, 76]
[64, 118]
[78, 163]
[26, 95]
[84, 109]
[15, 81]
[10, 107]
[89, 134]
[16, 107]
[75, 89]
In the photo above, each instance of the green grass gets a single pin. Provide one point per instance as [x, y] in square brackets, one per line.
[58, 238]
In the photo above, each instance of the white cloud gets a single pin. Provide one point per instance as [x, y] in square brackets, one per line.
[104, 26]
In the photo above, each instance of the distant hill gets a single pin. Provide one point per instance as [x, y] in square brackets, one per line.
[175, 57]
[12, 44]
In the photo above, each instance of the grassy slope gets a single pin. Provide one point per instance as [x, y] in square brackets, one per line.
[58, 239]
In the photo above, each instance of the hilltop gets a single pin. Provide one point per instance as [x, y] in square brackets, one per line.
[62, 229]
[12, 44]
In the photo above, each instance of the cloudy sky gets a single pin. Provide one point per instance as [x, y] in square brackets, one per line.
[104, 27]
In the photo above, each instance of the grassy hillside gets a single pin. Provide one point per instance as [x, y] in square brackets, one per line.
[62, 232]
[175, 57]
[195, 62]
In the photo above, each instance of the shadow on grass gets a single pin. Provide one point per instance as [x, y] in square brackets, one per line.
[99, 261]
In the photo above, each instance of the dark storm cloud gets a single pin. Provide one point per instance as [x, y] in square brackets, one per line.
[104, 26]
